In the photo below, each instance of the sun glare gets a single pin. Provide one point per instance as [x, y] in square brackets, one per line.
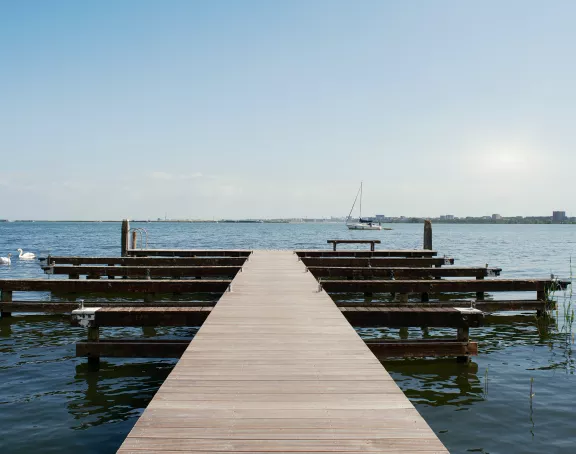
[507, 160]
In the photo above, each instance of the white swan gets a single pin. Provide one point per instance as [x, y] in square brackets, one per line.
[6, 260]
[26, 255]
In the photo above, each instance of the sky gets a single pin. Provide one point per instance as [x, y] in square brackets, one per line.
[261, 109]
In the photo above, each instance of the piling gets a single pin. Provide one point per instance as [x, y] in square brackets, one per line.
[134, 239]
[125, 237]
[428, 234]
[6, 298]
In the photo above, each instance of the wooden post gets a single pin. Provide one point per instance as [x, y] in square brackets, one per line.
[124, 238]
[94, 336]
[6, 298]
[541, 296]
[428, 234]
[480, 295]
[134, 239]
[372, 246]
[334, 246]
[463, 335]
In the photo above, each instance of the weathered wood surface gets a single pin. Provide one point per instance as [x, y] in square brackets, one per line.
[409, 262]
[115, 286]
[421, 348]
[188, 253]
[483, 305]
[276, 368]
[355, 253]
[356, 316]
[144, 261]
[146, 316]
[62, 307]
[397, 317]
[427, 234]
[382, 349]
[439, 286]
[132, 348]
[144, 271]
[403, 272]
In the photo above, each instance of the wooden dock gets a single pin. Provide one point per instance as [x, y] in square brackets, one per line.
[277, 368]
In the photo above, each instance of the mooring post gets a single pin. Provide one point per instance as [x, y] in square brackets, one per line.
[94, 336]
[125, 235]
[541, 296]
[428, 234]
[134, 239]
[463, 335]
[6, 298]
[479, 295]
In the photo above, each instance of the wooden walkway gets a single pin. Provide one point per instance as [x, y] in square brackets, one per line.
[277, 368]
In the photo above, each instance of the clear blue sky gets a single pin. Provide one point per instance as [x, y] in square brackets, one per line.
[112, 109]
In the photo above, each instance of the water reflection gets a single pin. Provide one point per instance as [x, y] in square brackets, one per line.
[115, 392]
[438, 382]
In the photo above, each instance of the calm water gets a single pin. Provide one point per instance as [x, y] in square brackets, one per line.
[50, 401]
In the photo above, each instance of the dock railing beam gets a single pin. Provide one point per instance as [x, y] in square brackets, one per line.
[125, 239]
[428, 234]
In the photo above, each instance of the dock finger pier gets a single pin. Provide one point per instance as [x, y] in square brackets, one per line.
[277, 364]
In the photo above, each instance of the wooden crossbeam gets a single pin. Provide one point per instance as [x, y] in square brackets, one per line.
[62, 307]
[397, 317]
[355, 253]
[402, 272]
[383, 349]
[438, 286]
[144, 271]
[115, 286]
[145, 261]
[187, 253]
[141, 316]
[132, 348]
[358, 317]
[410, 262]
[421, 348]
[483, 305]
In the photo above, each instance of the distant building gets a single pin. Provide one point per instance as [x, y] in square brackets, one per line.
[496, 217]
[380, 217]
[447, 217]
[558, 216]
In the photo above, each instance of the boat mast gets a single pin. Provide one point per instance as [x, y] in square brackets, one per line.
[360, 219]
[354, 204]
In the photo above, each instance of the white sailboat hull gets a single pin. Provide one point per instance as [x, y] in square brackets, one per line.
[363, 227]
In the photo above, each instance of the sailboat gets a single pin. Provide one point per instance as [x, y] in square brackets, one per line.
[362, 224]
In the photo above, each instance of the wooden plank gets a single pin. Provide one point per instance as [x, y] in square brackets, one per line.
[276, 327]
[61, 307]
[356, 316]
[403, 272]
[188, 253]
[115, 286]
[145, 261]
[409, 262]
[356, 253]
[400, 317]
[145, 271]
[136, 348]
[421, 348]
[439, 286]
[145, 316]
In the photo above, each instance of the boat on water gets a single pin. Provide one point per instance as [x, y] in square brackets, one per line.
[362, 224]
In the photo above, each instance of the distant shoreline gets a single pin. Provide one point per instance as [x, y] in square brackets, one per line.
[474, 221]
